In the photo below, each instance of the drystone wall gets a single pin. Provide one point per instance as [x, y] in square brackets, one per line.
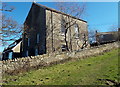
[27, 63]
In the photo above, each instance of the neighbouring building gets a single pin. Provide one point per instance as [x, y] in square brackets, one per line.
[106, 37]
[44, 32]
[13, 50]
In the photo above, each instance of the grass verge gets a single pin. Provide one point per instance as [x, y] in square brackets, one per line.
[99, 70]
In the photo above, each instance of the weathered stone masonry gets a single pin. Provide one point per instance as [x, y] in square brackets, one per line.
[43, 24]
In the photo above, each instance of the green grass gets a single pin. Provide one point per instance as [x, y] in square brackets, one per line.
[79, 72]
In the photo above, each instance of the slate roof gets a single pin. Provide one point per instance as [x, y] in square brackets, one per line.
[47, 8]
[11, 47]
[103, 33]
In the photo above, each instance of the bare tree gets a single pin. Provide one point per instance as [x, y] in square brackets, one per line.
[113, 28]
[92, 35]
[76, 10]
[10, 29]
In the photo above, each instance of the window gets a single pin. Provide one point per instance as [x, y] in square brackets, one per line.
[63, 26]
[102, 36]
[76, 30]
[84, 37]
[28, 41]
[10, 55]
[38, 38]
[64, 48]
[27, 53]
[36, 52]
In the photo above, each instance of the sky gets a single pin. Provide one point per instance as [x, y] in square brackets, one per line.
[100, 16]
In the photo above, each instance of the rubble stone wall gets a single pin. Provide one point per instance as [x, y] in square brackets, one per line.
[28, 63]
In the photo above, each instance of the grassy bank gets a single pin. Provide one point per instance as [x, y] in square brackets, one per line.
[100, 70]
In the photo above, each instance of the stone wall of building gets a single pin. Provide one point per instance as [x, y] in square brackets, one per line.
[104, 37]
[28, 63]
[34, 27]
[55, 38]
[42, 31]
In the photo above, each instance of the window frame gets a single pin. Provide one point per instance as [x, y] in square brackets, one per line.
[28, 41]
[63, 26]
[27, 53]
[76, 29]
[36, 53]
[38, 38]
[10, 55]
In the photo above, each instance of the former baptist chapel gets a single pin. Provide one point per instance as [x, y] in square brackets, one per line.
[45, 32]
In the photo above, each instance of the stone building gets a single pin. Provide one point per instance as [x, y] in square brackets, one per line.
[13, 50]
[106, 37]
[45, 32]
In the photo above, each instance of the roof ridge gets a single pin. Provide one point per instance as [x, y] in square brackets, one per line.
[58, 11]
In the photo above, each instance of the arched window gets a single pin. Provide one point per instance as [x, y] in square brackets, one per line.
[63, 26]
[38, 38]
[76, 28]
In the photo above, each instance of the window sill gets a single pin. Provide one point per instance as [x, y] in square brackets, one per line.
[62, 34]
